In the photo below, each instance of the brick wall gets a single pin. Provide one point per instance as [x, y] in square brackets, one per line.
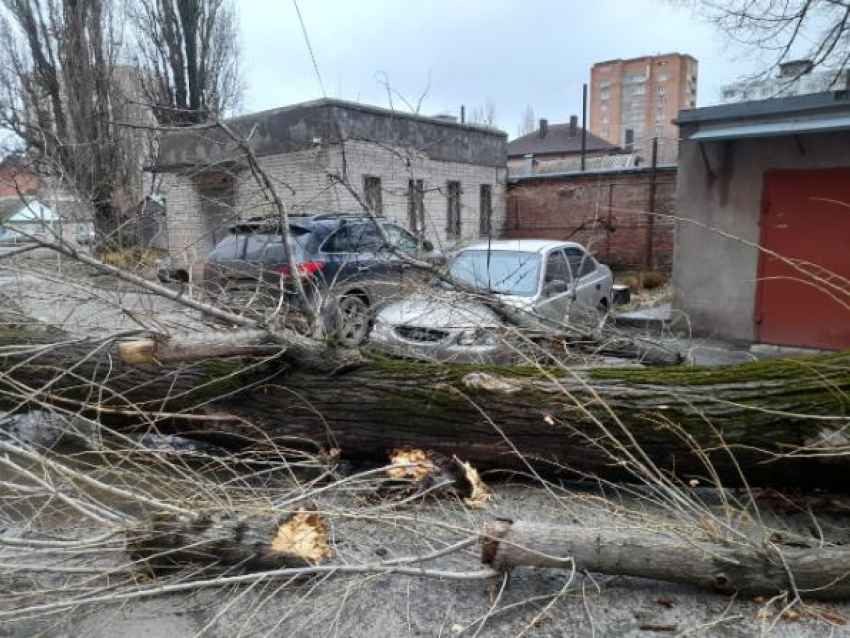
[606, 211]
[303, 182]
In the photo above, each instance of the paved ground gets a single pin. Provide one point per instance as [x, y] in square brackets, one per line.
[88, 305]
[535, 602]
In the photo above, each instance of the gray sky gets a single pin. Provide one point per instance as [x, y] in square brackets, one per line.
[536, 52]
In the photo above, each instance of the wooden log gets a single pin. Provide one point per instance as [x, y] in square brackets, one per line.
[816, 573]
[197, 347]
[773, 423]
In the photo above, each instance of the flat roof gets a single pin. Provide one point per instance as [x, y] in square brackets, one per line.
[796, 126]
[773, 107]
[326, 122]
[646, 57]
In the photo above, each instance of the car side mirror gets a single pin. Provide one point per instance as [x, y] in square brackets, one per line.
[427, 246]
[555, 287]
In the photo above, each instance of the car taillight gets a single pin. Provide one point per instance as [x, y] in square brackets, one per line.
[306, 269]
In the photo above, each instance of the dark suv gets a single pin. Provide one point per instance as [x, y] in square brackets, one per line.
[338, 253]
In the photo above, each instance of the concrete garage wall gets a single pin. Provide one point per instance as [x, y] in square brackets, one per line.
[605, 210]
[716, 258]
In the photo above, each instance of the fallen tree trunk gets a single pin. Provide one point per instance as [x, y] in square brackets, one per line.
[816, 573]
[769, 423]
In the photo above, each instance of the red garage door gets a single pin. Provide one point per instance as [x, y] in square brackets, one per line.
[805, 219]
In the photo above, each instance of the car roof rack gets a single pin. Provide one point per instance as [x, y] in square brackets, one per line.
[361, 215]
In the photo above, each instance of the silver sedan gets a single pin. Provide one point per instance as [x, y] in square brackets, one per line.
[542, 283]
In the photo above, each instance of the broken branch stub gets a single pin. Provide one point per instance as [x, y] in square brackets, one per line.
[817, 573]
[432, 470]
[224, 540]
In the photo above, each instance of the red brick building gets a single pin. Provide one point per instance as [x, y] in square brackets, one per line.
[16, 178]
[608, 211]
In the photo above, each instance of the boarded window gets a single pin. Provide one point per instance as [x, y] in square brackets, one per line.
[372, 193]
[416, 206]
[453, 227]
[486, 209]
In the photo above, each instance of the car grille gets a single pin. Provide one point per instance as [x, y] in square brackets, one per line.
[425, 335]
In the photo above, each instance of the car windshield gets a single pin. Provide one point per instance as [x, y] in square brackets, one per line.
[507, 272]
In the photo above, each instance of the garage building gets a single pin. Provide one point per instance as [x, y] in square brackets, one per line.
[762, 250]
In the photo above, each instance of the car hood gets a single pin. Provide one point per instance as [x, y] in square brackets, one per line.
[441, 309]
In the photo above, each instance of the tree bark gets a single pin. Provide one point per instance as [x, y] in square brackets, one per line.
[767, 423]
[817, 573]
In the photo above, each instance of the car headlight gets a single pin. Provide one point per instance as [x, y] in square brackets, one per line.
[477, 337]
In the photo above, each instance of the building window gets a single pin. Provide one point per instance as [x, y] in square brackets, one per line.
[662, 77]
[604, 94]
[485, 209]
[416, 206]
[372, 193]
[659, 129]
[605, 84]
[453, 225]
[662, 89]
[605, 119]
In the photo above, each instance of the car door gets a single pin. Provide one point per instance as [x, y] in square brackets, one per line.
[341, 270]
[554, 299]
[587, 279]
[374, 263]
[404, 275]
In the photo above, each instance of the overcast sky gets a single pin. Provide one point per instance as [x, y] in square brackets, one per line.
[514, 53]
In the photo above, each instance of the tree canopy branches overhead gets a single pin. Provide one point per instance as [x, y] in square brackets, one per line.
[818, 30]
[189, 50]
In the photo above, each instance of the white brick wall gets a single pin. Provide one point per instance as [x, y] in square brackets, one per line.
[303, 182]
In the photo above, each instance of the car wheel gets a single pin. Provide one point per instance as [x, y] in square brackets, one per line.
[354, 320]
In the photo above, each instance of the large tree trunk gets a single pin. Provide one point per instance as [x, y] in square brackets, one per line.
[816, 572]
[769, 423]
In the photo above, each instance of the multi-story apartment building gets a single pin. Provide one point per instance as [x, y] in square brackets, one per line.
[795, 77]
[643, 95]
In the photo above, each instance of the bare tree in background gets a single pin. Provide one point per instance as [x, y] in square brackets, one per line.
[815, 29]
[58, 94]
[484, 115]
[527, 124]
[190, 53]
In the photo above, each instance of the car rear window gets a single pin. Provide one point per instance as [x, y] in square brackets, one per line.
[257, 246]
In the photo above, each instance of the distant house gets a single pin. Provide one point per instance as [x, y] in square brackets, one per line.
[795, 77]
[762, 248]
[448, 176]
[21, 216]
[557, 148]
[16, 178]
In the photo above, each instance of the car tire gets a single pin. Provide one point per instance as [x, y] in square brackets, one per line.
[354, 323]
